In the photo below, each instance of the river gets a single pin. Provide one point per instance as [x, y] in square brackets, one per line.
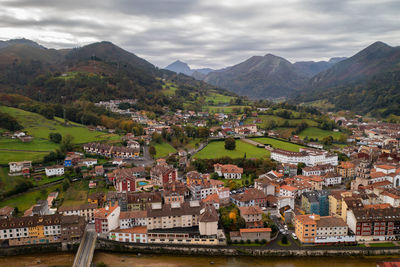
[125, 260]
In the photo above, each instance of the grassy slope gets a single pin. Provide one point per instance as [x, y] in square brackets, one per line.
[278, 144]
[217, 150]
[226, 109]
[40, 128]
[163, 149]
[313, 132]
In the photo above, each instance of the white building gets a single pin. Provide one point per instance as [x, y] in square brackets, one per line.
[56, 170]
[129, 219]
[17, 167]
[228, 171]
[332, 179]
[287, 191]
[132, 235]
[308, 156]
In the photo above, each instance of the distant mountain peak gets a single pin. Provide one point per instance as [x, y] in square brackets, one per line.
[20, 41]
[182, 67]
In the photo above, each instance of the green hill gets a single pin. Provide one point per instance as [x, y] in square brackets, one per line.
[40, 128]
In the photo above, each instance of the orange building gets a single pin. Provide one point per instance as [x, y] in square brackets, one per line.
[306, 228]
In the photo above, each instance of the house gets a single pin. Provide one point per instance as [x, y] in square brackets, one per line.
[208, 220]
[99, 170]
[266, 185]
[175, 191]
[141, 200]
[253, 235]
[331, 179]
[106, 219]
[250, 197]
[318, 170]
[288, 191]
[252, 215]
[17, 167]
[346, 169]
[129, 219]
[51, 197]
[97, 198]
[6, 212]
[228, 171]
[92, 184]
[56, 170]
[88, 162]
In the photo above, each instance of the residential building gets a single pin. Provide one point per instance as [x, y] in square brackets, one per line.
[228, 171]
[56, 170]
[308, 156]
[106, 219]
[370, 224]
[315, 229]
[346, 169]
[141, 200]
[137, 234]
[315, 202]
[251, 234]
[173, 215]
[252, 215]
[17, 167]
[161, 174]
[175, 191]
[129, 219]
[250, 197]
[6, 212]
[318, 170]
[85, 210]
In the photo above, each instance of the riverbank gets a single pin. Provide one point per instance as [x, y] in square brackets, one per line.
[151, 260]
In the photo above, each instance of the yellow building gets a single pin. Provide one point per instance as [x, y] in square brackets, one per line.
[335, 201]
[306, 228]
[346, 169]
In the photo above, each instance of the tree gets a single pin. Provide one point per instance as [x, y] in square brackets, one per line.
[55, 137]
[230, 143]
[66, 143]
[65, 185]
[284, 240]
[152, 151]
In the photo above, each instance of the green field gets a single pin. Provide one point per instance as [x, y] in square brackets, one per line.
[313, 132]
[25, 201]
[163, 149]
[40, 128]
[218, 98]
[169, 91]
[265, 118]
[217, 150]
[224, 109]
[278, 144]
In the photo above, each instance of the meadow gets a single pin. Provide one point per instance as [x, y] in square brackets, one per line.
[278, 144]
[217, 150]
[313, 132]
[163, 149]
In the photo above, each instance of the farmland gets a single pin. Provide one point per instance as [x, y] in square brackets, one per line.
[278, 144]
[217, 150]
[313, 132]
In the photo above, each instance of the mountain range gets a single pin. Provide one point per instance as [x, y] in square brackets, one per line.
[368, 82]
[258, 77]
[97, 71]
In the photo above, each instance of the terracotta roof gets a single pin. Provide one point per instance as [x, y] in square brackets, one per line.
[378, 206]
[6, 211]
[78, 207]
[103, 213]
[305, 219]
[330, 221]
[211, 198]
[385, 167]
[288, 187]
[208, 214]
[133, 230]
[255, 230]
[133, 214]
[249, 194]
[251, 210]
[378, 174]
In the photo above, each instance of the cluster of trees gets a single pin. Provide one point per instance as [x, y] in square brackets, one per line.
[8, 122]
[230, 218]
[250, 166]
[378, 96]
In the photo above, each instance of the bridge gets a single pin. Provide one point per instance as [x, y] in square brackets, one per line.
[84, 256]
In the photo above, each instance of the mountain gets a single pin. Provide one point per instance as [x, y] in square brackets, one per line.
[182, 67]
[376, 58]
[21, 41]
[312, 68]
[264, 77]
[368, 82]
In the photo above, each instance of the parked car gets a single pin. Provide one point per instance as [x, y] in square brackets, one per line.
[294, 236]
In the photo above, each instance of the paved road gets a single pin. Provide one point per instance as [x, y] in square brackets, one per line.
[85, 252]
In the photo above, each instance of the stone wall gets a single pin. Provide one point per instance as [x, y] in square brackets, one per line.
[113, 246]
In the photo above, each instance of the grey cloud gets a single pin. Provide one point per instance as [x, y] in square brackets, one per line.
[207, 33]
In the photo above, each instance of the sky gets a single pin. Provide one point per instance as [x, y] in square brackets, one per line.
[207, 33]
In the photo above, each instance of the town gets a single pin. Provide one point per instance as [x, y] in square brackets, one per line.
[302, 193]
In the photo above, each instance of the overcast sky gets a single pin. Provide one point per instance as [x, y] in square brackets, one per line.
[207, 33]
